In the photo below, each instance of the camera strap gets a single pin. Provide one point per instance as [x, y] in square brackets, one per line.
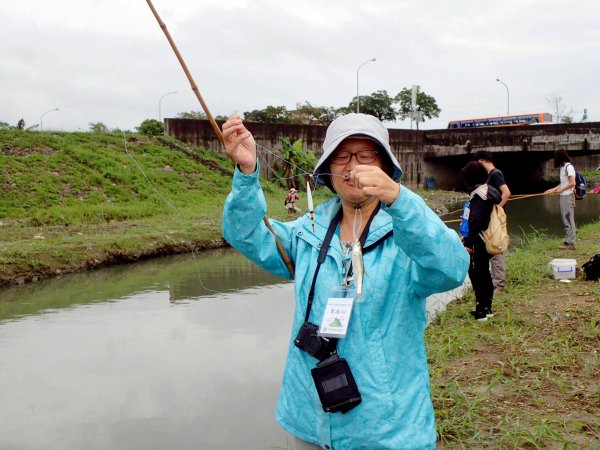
[325, 246]
[322, 255]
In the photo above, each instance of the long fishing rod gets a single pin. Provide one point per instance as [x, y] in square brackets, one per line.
[512, 197]
[187, 73]
[284, 256]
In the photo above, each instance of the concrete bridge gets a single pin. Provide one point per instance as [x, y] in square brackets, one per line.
[523, 153]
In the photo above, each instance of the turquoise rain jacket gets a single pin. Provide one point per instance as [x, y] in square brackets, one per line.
[384, 345]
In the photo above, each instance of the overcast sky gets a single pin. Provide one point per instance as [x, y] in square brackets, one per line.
[108, 60]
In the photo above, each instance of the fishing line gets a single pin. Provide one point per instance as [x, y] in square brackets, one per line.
[271, 152]
[262, 157]
[175, 210]
[357, 224]
[512, 197]
[300, 169]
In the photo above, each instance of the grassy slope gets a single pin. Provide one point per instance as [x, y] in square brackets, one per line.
[69, 201]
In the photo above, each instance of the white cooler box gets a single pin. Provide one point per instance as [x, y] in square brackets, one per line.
[563, 268]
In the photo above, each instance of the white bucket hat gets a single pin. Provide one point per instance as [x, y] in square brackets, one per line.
[354, 125]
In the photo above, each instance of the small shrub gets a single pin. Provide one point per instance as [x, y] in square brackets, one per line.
[151, 127]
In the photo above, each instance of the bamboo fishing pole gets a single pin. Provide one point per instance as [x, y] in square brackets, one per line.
[512, 197]
[523, 196]
[187, 73]
[284, 256]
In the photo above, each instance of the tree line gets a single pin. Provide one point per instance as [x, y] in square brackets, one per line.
[379, 104]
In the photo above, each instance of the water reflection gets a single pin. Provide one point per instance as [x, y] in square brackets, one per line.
[543, 214]
[129, 361]
[210, 273]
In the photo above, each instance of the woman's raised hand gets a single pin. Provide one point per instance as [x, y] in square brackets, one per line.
[239, 144]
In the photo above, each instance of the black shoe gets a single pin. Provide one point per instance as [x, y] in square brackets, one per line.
[479, 316]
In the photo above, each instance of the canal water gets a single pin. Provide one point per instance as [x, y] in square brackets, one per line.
[167, 353]
[540, 215]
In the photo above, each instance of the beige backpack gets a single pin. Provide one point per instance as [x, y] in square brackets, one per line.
[496, 236]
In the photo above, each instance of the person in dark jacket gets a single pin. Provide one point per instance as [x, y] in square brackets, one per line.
[496, 179]
[477, 215]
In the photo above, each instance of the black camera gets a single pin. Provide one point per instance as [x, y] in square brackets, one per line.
[313, 344]
[335, 385]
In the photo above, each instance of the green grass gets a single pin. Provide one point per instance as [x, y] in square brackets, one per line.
[85, 178]
[529, 377]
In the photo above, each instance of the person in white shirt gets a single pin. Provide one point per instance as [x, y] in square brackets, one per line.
[562, 162]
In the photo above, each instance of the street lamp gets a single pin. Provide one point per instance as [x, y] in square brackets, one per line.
[357, 95]
[42, 118]
[160, 100]
[507, 96]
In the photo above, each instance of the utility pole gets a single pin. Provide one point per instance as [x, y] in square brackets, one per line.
[415, 110]
[42, 118]
[159, 102]
[357, 94]
[507, 96]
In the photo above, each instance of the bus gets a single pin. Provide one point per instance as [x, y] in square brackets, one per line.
[521, 119]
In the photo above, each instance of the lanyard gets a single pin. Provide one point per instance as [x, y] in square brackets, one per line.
[325, 246]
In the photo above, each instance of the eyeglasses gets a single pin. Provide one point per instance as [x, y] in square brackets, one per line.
[362, 157]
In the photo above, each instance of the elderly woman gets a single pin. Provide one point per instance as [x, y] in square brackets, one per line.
[369, 389]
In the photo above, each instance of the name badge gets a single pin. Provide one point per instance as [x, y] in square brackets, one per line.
[337, 317]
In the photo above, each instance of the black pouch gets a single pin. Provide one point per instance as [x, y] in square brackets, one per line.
[592, 268]
[335, 385]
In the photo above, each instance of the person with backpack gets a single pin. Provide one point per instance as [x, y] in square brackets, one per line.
[290, 201]
[495, 179]
[562, 162]
[476, 219]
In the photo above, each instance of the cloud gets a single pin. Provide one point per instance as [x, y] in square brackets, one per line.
[109, 60]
